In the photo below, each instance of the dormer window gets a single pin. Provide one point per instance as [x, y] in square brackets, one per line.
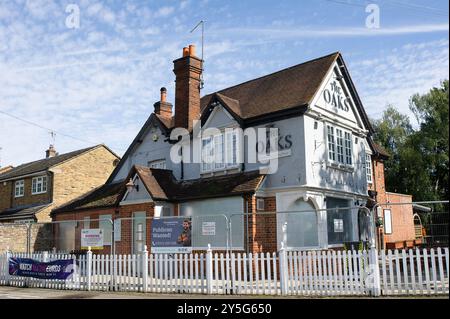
[219, 152]
[39, 185]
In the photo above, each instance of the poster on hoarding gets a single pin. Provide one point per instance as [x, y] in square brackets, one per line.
[92, 238]
[171, 235]
[209, 228]
[25, 267]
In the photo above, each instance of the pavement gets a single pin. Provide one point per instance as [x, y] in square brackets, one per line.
[40, 293]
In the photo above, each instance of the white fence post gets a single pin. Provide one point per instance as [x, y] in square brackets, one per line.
[283, 270]
[209, 271]
[89, 268]
[45, 256]
[145, 269]
[8, 276]
[373, 277]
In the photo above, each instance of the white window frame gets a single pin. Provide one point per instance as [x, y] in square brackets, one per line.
[41, 181]
[19, 188]
[339, 146]
[158, 164]
[260, 204]
[222, 151]
[369, 170]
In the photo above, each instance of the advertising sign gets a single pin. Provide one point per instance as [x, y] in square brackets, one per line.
[171, 235]
[92, 238]
[25, 267]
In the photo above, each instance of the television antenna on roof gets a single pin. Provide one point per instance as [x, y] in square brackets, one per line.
[202, 23]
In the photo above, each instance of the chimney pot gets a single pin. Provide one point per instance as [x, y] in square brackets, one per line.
[192, 50]
[51, 152]
[185, 51]
[163, 94]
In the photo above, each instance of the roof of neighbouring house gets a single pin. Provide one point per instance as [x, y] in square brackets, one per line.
[22, 212]
[46, 163]
[107, 195]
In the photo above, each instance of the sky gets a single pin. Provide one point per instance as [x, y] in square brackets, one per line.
[96, 81]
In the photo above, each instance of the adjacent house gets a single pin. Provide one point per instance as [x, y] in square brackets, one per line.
[307, 119]
[30, 191]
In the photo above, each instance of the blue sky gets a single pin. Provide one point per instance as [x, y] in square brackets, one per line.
[98, 83]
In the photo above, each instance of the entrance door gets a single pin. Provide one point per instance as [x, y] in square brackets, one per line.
[139, 232]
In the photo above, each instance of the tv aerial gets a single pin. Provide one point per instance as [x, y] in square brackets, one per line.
[202, 24]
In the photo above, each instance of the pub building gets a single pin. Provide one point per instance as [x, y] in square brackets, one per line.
[324, 162]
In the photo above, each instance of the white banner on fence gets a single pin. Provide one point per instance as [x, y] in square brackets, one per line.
[209, 228]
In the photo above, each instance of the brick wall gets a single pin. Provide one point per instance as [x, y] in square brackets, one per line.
[262, 228]
[402, 219]
[15, 236]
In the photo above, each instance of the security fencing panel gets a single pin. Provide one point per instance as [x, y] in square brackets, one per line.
[310, 229]
[212, 222]
[402, 223]
[72, 236]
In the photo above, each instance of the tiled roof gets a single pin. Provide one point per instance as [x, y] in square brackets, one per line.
[21, 212]
[41, 165]
[285, 89]
[162, 185]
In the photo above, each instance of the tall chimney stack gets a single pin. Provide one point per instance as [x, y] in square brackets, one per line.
[51, 152]
[188, 71]
[163, 107]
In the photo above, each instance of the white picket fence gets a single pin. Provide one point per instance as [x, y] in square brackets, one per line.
[305, 273]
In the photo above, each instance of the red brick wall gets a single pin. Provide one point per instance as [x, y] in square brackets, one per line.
[402, 219]
[262, 227]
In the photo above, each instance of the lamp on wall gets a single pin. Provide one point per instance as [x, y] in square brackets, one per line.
[130, 185]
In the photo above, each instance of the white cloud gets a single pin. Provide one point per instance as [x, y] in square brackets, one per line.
[164, 12]
[393, 77]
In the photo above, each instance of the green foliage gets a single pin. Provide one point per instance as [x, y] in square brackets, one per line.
[419, 157]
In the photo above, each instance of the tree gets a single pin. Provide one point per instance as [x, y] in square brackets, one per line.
[419, 158]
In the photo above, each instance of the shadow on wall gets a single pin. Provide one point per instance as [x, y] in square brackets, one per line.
[42, 237]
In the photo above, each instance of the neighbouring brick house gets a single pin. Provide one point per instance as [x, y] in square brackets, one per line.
[30, 191]
[397, 228]
[310, 113]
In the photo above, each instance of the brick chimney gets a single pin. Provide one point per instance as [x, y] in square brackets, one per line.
[188, 70]
[163, 107]
[51, 152]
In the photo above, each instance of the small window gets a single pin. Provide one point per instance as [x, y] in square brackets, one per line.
[387, 222]
[369, 168]
[39, 185]
[160, 164]
[19, 188]
[260, 204]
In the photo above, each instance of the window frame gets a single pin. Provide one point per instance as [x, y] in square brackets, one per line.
[20, 187]
[369, 168]
[35, 183]
[208, 149]
[339, 142]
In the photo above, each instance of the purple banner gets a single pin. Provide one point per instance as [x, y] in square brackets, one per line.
[25, 267]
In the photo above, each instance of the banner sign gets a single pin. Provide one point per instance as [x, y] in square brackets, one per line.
[92, 238]
[25, 267]
[171, 235]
